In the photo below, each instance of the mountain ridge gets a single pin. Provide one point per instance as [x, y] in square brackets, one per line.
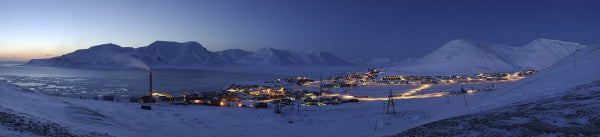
[169, 54]
[464, 56]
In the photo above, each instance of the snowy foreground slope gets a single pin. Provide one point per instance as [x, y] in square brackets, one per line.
[573, 114]
[560, 100]
[166, 54]
[463, 56]
[75, 117]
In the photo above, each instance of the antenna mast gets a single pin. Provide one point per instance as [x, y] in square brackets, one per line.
[150, 89]
[390, 104]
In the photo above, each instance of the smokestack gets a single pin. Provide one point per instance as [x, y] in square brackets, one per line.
[150, 92]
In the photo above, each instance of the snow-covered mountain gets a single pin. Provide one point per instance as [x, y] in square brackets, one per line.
[173, 53]
[105, 55]
[539, 53]
[234, 54]
[463, 56]
[271, 56]
[458, 56]
[166, 54]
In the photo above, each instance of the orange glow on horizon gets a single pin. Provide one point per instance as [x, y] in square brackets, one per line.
[20, 55]
[14, 57]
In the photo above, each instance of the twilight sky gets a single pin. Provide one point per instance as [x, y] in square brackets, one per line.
[349, 28]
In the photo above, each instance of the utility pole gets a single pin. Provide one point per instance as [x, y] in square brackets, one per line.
[390, 103]
[383, 107]
[447, 98]
[465, 96]
[375, 125]
[321, 83]
[298, 108]
[278, 108]
[575, 61]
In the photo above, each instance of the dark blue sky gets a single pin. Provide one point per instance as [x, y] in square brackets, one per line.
[349, 28]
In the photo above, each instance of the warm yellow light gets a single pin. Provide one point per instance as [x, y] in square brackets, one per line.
[415, 90]
[156, 94]
[197, 101]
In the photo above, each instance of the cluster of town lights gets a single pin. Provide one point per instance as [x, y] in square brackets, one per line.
[265, 94]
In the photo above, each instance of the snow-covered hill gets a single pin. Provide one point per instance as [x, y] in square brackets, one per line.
[463, 56]
[542, 53]
[458, 56]
[166, 54]
[271, 56]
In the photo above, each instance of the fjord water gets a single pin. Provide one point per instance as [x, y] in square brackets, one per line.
[120, 81]
[90, 83]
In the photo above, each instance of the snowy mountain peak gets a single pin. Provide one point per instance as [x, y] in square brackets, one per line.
[540, 42]
[106, 46]
[268, 50]
[464, 43]
[461, 41]
[461, 48]
[543, 40]
[234, 51]
[193, 43]
[158, 43]
[172, 43]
